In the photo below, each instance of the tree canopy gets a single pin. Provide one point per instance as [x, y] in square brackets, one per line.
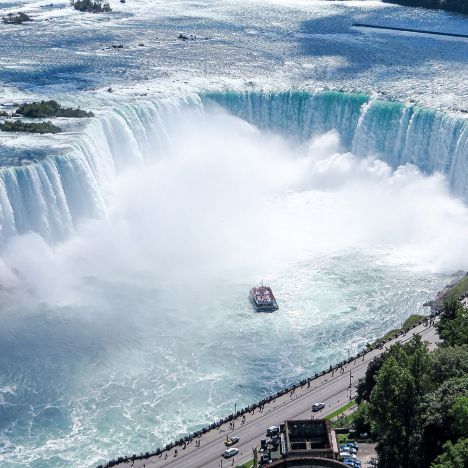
[453, 324]
[416, 402]
[453, 456]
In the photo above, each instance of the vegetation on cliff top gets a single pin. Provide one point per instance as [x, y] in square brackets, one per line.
[29, 127]
[410, 322]
[50, 109]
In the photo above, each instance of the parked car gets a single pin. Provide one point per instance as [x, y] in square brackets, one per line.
[352, 444]
[352, 462]
[348, 448]
[231, 441]
[272, 431]
[346, 454]
[318, 406]
[230, 452]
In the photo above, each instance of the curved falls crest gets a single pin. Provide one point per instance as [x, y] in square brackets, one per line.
[50, 196]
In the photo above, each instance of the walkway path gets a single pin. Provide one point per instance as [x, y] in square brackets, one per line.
[331, 388]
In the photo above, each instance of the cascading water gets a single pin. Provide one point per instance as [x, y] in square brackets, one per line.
[51, 196]
[396, 133]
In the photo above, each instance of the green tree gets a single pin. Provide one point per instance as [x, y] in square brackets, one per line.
[366, 385]
[360, 418]
[437, 421]
[449, 362]
[459, 412]
[453, 324]
[453, 456]
[418, 361]
[413, 355]
[392, 410]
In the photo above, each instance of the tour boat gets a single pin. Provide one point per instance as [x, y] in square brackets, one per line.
[263, 299]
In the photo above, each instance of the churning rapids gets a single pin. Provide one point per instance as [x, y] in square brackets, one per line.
[128, 243]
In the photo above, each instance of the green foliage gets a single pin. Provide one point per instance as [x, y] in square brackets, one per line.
[417, 360]
[412, 321]
[49, 109]
[392, 410]
[344, 421]
[453, 456]
[248, 464]
[418, 401]
[341, 410]
[458, 289]
[361, 419]
[342, 438]
[460, 6]
[366, 385]
[34, 127]
[459, 413]
[358, 420]
[389, 335]
[437, 420]
[413, 355]
[447, 363]
[453, 324]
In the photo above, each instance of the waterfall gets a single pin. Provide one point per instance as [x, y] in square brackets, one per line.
[52, 195]
[395, 132]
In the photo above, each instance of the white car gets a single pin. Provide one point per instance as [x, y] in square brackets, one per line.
[230, 452]
[347, 455]
[318, 406]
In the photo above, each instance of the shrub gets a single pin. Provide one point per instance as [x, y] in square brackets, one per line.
[29, 127]
[50, 109]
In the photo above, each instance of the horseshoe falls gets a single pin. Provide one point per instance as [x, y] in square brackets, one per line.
[53, 194]
[277, 142]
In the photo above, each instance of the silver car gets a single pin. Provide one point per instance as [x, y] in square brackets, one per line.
[317, 406]
[230, 452]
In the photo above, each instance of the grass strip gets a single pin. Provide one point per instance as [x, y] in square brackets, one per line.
[248, 464]
[340, 410]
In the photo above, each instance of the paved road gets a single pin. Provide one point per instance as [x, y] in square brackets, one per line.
[333, 390]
